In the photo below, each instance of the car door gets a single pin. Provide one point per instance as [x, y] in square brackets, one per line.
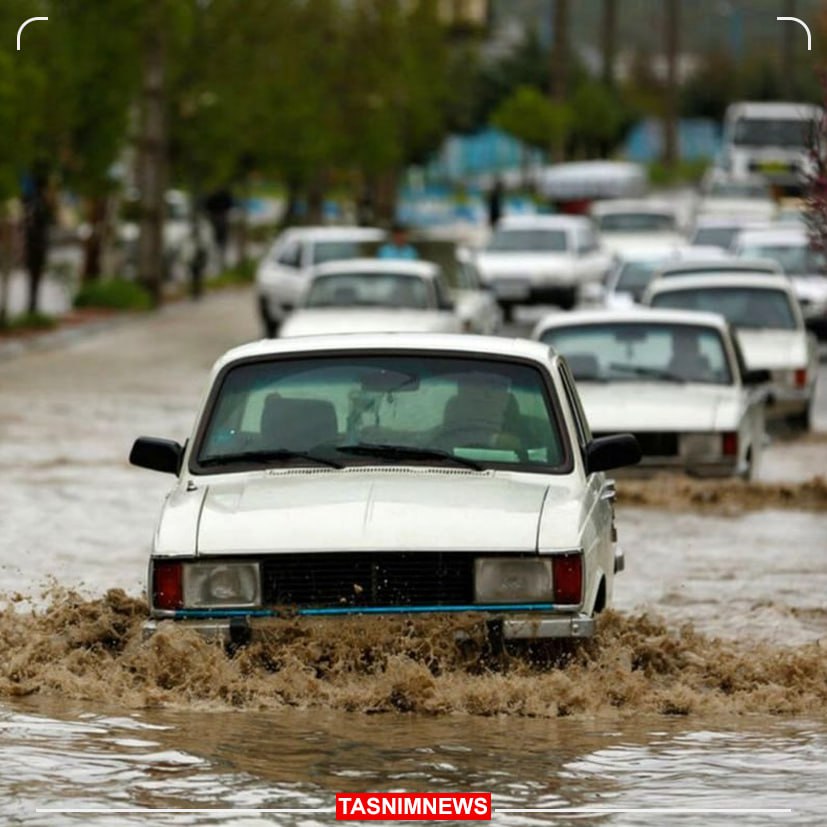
[752, 433]
[598, 531]
[592, 261]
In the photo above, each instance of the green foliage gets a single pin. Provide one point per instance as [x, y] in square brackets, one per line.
[599, 117]
[239, 276]
[29, 321]
[113, 294]
[529, 115]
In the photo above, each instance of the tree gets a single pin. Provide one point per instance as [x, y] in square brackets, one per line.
[530, 116]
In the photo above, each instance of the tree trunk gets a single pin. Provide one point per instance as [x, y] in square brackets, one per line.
[670, 119]
[609, 41]
[559, 66]
[96, 208]
[793, 35]
[36, 219]
[5, 261]
[152, 156]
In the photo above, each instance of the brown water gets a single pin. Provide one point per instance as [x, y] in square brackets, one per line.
[707, 687]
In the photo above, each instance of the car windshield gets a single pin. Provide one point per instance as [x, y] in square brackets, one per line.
[390, 290]
[642, 351]
[636, 222]
[794, 259]
[634, 276]
[336, 250]
[715, 236]
[748, 307]
[528, 241]
[380, 409]
[783, 132]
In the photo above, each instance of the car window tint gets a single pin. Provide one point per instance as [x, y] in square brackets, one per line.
[528, 241]
[323, 251]
[636, 351]
[497, 413]
[290, 256]
[747, 307]
[390, 290]
[636, 222]
[581, 423]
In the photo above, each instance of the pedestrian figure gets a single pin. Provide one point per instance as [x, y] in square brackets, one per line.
[495, 203]
[398, 246]
[218, 205]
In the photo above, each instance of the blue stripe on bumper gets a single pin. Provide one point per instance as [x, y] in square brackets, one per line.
[183, 614]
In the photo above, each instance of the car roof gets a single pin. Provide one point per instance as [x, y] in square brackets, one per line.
[713, 219]
[746, 280]
[378, 266]
[773, 109]
[632, 315]
[335, 233]
[792, 236]
[544, 222]
[613, 206]
[759, 266]
[383, 342]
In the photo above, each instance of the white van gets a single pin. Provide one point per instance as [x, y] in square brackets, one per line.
[771, 139]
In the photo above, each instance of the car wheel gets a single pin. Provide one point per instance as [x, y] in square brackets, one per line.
[270, 325]
[508, 312]
[568, 299]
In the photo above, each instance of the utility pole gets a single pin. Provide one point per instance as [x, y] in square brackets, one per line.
[152, 153]
[559, 64]
[609, 41]
[671, 92]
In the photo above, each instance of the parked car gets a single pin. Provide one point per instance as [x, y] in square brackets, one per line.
[674, 379]
[629, 224]
[790, 248]
[368, 295]
[573, 186]
[723, 265]
[339, 475]
[282, 272]
[536, 259]
[770, 329]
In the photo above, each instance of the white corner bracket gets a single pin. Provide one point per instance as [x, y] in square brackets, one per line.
[806, 29]
[23, 26]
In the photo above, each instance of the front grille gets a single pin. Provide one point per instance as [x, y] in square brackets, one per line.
[368, 579]
[656, 443]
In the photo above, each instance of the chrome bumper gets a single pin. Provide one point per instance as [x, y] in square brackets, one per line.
[241, 630]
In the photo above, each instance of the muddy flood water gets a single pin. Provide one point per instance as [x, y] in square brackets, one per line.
[705, 690]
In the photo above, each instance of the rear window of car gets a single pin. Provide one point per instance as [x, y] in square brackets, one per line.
[745, 307]
[528, 241]
[636, 222]
[497, 413]
[324, 251]
[622, 351]
[390, 290]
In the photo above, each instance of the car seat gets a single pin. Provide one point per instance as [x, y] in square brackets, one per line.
[297, 424]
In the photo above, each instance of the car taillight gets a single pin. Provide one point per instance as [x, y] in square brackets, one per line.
[800, 377]
[729, 443]
[567, 577]
[167, 585]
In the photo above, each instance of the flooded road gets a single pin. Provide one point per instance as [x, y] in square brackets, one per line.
[707, 689]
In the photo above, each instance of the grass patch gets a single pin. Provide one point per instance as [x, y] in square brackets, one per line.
[114, 294]
[242, 274]
[30, 321]
[685, 172]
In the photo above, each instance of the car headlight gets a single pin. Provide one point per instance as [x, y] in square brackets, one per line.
[210, 585]
[512, 580]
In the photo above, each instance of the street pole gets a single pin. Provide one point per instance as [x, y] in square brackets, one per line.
[790, 32]
[609, 41]
[559, 60]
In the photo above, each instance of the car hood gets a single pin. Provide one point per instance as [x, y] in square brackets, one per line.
[503, 264]
[616, 407]
[643, 243]
[380, 320]
[773, 348]
[811, 289]
[389, 508]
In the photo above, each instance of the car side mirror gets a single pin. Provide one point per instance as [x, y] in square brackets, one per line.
[756, 377]
[157, 454]
[615, 451]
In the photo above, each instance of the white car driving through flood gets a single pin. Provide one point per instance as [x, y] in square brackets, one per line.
[770, 329]
[373, 295]
[674, 379]
[387, 474]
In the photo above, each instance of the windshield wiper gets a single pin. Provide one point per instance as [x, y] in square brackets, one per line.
[264, 457]
[364, 449]
[654, 373]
